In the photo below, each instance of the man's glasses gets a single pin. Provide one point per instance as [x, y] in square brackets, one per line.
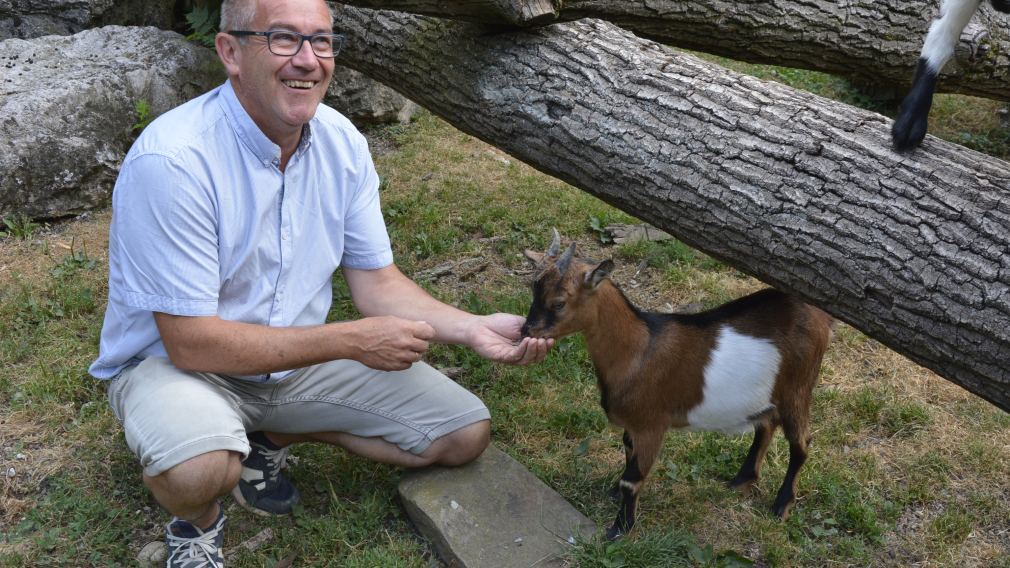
[286, 44]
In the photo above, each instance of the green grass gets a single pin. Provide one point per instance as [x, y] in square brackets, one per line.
[19, 226]
[904, 469]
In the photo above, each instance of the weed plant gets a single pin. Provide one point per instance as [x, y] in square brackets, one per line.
[906, 469]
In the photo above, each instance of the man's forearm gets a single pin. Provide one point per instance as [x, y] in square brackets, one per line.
[214, 345]
[392, 293]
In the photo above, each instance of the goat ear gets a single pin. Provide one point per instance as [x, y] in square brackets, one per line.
[596, 275]
[535, 258]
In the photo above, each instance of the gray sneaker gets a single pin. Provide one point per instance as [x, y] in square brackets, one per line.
[191, 547]
[262, 489]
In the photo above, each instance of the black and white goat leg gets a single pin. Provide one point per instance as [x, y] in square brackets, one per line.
[913, 115]
[646, 447]
[629, 451]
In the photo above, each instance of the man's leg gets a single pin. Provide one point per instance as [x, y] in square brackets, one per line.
[456, 448]
[190, 490]
[190, 438]
[409, 418]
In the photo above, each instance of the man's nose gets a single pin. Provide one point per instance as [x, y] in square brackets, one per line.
[304, 57]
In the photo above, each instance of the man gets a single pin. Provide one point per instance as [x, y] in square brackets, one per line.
[230, 214]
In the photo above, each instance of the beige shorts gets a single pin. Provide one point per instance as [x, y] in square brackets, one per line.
[170, 416]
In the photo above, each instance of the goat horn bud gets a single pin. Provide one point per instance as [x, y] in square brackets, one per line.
[552, 250]
[566, 258]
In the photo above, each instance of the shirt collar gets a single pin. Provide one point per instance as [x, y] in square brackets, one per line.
[262, 147]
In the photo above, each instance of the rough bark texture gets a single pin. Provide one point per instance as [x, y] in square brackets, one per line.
[802, 192]
[872, 42]
[510, 12]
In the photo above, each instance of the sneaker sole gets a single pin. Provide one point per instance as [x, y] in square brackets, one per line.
[236, 494]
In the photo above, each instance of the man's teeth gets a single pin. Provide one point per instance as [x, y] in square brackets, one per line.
[300, 84]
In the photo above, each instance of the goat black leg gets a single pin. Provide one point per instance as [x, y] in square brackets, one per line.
[910, 127]
[646, 446]
[750, 471]
[615, 491]
[913, 115]
[787, 493]
[631, 481]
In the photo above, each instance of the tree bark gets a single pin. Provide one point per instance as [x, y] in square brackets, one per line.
[802, 192]
[872, 42]
[507, 12]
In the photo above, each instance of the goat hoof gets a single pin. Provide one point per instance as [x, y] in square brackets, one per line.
[781, 510]
[742, 482]
[907, 133]
[614, 492]
[744, 487]
[614, 533]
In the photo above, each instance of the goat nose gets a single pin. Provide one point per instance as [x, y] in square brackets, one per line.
[525, 331]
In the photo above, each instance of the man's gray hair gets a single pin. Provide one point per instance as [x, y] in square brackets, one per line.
[239, 14]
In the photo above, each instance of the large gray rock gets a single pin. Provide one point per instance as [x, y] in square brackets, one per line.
[366, 101]
[34, 18]
[68, 107]
[492, 513]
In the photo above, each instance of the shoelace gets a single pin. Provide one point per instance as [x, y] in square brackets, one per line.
[196, 552]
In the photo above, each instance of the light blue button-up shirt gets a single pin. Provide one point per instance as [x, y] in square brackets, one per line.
[204, 223]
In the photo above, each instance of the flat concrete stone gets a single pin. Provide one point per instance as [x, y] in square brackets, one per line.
[492, 513]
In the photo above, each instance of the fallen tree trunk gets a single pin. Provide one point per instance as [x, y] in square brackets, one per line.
[508, 12]
[799, 191]
[872, 42]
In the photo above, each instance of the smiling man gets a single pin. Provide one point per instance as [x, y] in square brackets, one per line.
[230, 215]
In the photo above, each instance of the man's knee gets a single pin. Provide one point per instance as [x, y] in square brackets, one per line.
[200, 478]
[464, 445]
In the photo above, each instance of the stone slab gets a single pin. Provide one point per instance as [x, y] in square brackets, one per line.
[492, 513]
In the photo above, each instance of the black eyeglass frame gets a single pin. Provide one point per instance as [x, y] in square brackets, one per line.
[338, 41]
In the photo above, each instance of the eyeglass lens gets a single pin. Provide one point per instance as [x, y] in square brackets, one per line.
[287, 43]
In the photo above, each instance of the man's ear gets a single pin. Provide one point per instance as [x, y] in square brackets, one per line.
[227, 47]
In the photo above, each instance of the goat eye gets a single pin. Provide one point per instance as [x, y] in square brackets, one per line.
[558, 305]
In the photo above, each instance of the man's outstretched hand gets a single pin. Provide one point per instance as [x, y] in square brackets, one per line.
[497, 337]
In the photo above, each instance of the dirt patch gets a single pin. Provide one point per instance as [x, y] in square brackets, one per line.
[33, 258]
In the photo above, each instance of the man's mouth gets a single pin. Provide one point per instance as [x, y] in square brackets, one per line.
[300, 84]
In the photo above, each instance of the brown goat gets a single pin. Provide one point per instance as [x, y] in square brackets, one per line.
[750, 363]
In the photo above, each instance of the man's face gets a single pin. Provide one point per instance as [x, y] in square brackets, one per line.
[281, 93]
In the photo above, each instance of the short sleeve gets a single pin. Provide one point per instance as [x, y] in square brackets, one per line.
[165, 232]
[366, 242]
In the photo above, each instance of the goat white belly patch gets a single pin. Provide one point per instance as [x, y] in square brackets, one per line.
[739, 379]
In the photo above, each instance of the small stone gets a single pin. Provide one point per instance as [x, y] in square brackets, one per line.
[518, 541]
[11, 472]
[21, 457]
[571, 540]
[153, 554]
[452, 504]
